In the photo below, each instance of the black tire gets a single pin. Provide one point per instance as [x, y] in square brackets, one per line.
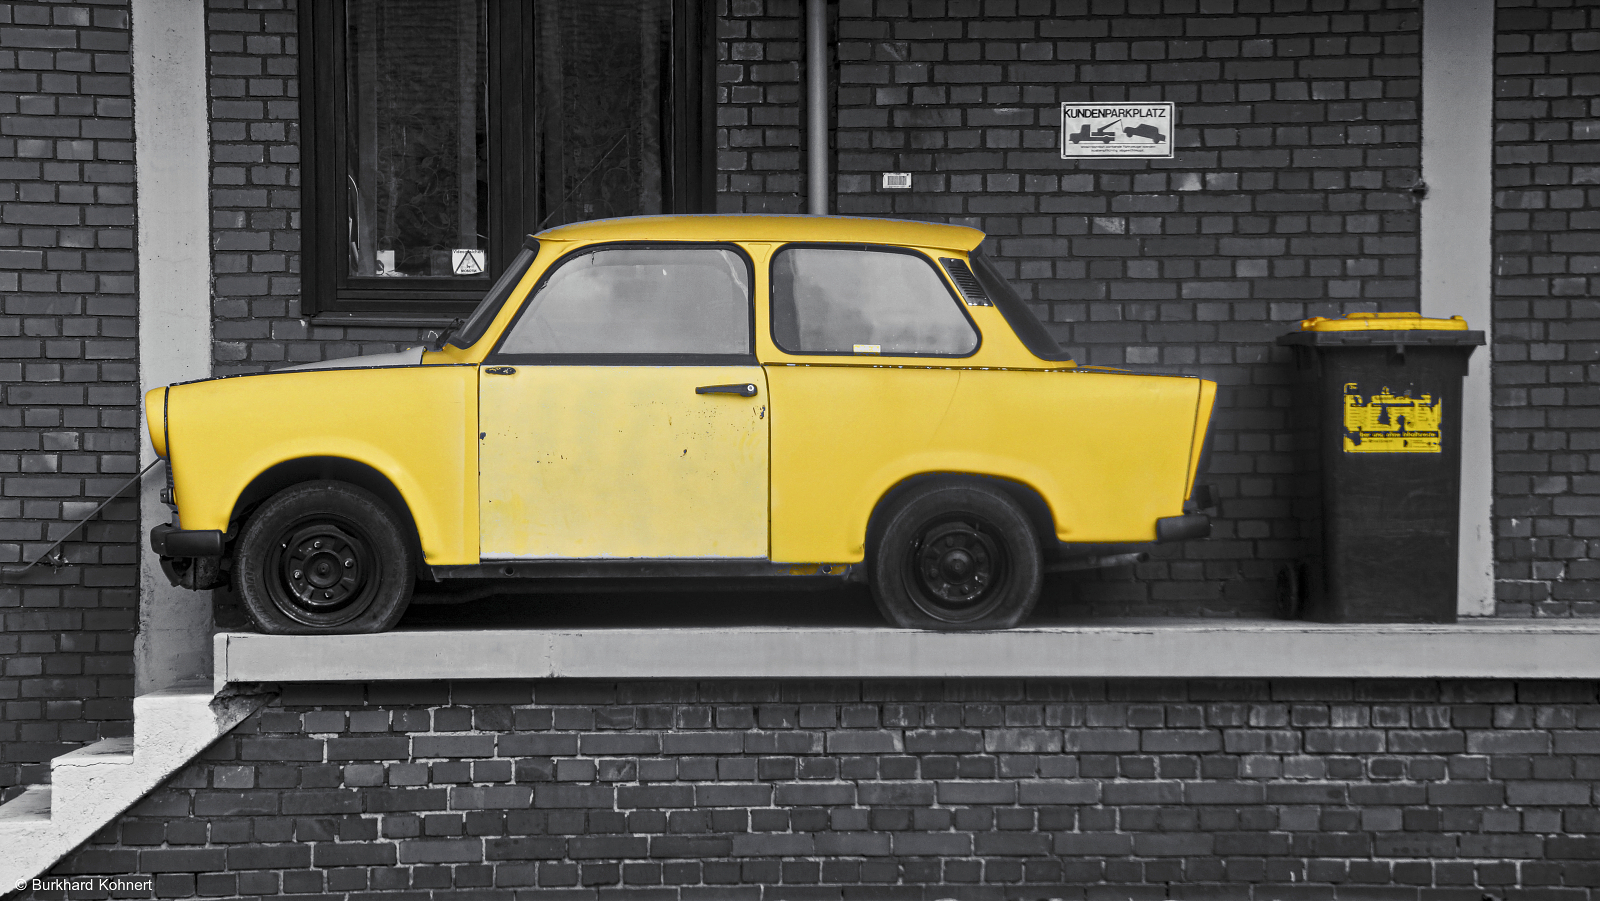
[956, 557]
[327, 538]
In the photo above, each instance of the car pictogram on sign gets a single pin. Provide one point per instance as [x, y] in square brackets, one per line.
[1146, 130]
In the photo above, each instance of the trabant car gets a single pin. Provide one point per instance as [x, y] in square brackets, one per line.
[689, 396]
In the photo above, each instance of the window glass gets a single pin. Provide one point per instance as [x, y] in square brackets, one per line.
[639, 301]
[417, 146]
[598, 111]
[864, 301]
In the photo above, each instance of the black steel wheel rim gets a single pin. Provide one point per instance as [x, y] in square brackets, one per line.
[957, 569]
[322, 572]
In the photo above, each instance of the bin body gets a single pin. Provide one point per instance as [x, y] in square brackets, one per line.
[1381, 436]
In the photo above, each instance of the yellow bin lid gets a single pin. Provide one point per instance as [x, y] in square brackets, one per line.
[1362, 322]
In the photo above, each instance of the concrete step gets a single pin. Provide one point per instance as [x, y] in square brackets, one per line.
[27, 811]
[91, 786]
[81, 779]
[176, 720]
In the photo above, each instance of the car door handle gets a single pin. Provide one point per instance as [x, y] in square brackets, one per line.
[745, 389]
[501, 370]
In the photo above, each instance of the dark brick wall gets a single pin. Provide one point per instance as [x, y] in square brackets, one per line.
[1547, 317]
[760, 107]
[254, 86]
[68, 377]
[255, 197]
[970, 789]
[1298, 130]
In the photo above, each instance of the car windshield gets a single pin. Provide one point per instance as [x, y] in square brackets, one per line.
[478, 322]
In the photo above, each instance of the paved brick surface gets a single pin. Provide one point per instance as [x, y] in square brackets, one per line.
[1547, 317]
[68, 377]
[999, 789]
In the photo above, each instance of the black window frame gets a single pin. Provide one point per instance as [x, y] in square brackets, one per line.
[498, 357]
[938, 274]
[330, 294]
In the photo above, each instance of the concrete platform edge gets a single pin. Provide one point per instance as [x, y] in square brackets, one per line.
[1210, 650]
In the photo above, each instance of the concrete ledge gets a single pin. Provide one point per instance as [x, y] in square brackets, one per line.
[1209, 649]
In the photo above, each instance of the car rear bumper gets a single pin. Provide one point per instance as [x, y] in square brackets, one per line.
[1182, 528]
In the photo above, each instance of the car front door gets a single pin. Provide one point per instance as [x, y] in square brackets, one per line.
[623, 416]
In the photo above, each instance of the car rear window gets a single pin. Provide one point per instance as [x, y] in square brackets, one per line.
[639, 300]
[828, 300]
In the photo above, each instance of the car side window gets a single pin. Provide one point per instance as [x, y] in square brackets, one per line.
[865, 301]
[639, 300]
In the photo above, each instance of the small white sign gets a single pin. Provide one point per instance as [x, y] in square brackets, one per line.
[1112, 130]
[468, 261]
[897, 181]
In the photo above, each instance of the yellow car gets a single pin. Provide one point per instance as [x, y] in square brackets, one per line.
[691, 396]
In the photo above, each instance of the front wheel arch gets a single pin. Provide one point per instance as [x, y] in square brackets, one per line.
[325, 469]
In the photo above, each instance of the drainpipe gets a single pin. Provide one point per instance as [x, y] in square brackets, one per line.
[817, 105]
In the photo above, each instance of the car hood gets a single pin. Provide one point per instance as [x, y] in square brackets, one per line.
[411, 356]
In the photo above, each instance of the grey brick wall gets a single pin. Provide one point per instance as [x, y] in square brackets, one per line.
[1249, 790]
[68, 378]
[1298, 130]
[1547, 317]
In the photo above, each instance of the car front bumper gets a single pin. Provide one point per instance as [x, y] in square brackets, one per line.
[171, 541]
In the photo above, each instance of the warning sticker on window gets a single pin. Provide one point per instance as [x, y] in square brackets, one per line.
[466, 261]
[1100, 130]
[1383, 423]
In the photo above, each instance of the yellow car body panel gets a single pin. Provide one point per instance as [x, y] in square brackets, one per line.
[416, 425]
[1107, 452]
[620, 462]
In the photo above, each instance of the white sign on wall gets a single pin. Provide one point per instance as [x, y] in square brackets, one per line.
[1117, 130]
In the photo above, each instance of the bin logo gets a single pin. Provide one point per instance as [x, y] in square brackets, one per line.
[1383, 423]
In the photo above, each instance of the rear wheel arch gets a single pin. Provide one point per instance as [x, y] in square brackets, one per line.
[1029, 499]
[951, 551]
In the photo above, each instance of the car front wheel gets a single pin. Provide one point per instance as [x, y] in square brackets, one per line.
[324, 557]
[957, 557]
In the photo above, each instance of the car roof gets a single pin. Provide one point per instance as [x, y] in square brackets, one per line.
[749, 227]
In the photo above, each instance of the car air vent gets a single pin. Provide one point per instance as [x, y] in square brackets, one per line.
[962, 276]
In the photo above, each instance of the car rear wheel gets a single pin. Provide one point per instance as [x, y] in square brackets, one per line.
[956, 557]
[324, 557]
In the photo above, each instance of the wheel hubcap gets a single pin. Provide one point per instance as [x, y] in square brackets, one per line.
[324, 571]
[955, 567]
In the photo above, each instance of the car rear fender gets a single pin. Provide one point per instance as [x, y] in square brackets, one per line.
[1038, 512]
